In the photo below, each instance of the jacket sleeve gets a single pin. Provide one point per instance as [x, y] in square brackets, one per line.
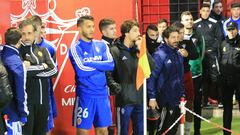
[106, 64]
[52, 68]
[156, 73]
[4, 86]
[114, 86]
[19, 72]
[77, 63]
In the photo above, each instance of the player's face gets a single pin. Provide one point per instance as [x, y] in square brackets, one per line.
[86, 29]
[235, 12]
[134, 34]
[173, 39]
[187, 21]
[43, 30]
[152, 34]
[218, 8]
[38, 31]
[232, 33]
[161, 27]
[28, 35]
[205, 12]
[181, 35]
[110, 31]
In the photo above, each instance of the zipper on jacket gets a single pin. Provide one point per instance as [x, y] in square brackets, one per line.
[39, 80]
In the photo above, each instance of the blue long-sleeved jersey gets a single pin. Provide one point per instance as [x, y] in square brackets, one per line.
[17, 109]
[228, 21]
[166, 81]
[90, 60]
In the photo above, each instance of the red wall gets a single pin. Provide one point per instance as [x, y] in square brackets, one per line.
[153, 10]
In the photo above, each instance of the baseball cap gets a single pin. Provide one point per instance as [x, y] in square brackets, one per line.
[153, 114]
[232, 26]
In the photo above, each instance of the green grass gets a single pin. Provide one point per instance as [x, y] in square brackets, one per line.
[208, 129]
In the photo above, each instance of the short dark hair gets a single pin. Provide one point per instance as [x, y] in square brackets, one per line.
[162, 20]
[36, 19]
[127, 26]
[205, 5]
[216, 2]
[178, 25]
[166, 33]
[152, 27]
[185, 13]
[12, 36]
[235, 4]
[84, 18]
[105, 22]
[27, 22]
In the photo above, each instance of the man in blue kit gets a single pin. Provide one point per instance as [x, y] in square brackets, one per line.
[90, 60]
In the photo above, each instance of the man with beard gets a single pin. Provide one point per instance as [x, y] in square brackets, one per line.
[151, 38]
[17, 109]
[40, 67]
[230, 71]
[165, 86]
[152, 45]
[90, 60]
[129, 101]
[196, 65]
[188, 50]
[216, 13]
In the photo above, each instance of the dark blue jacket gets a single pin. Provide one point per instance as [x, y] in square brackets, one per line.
[166, 81]
[17, 109]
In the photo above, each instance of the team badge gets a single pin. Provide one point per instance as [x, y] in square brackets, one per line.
[210, 25]
[40, 54]
[79, 120]
[97, 49]
[224, 49]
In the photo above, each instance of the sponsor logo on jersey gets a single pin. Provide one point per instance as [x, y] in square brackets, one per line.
[95, 58]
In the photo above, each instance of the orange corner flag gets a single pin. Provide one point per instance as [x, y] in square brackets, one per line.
[143, 70]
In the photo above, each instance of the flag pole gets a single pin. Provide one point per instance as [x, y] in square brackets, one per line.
[145, 106]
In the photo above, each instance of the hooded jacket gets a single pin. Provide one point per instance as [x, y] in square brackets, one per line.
[166, 81]
[126, 63]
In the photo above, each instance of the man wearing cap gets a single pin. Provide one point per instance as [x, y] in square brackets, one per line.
[230, 71]
[235, 17]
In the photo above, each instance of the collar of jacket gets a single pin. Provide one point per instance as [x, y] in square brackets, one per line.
[216, 16]
[171, 49]
[12, 48]
[234, 41]
[109, 40]
[119, 42]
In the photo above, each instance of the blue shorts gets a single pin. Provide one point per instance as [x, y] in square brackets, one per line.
[92, 111]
